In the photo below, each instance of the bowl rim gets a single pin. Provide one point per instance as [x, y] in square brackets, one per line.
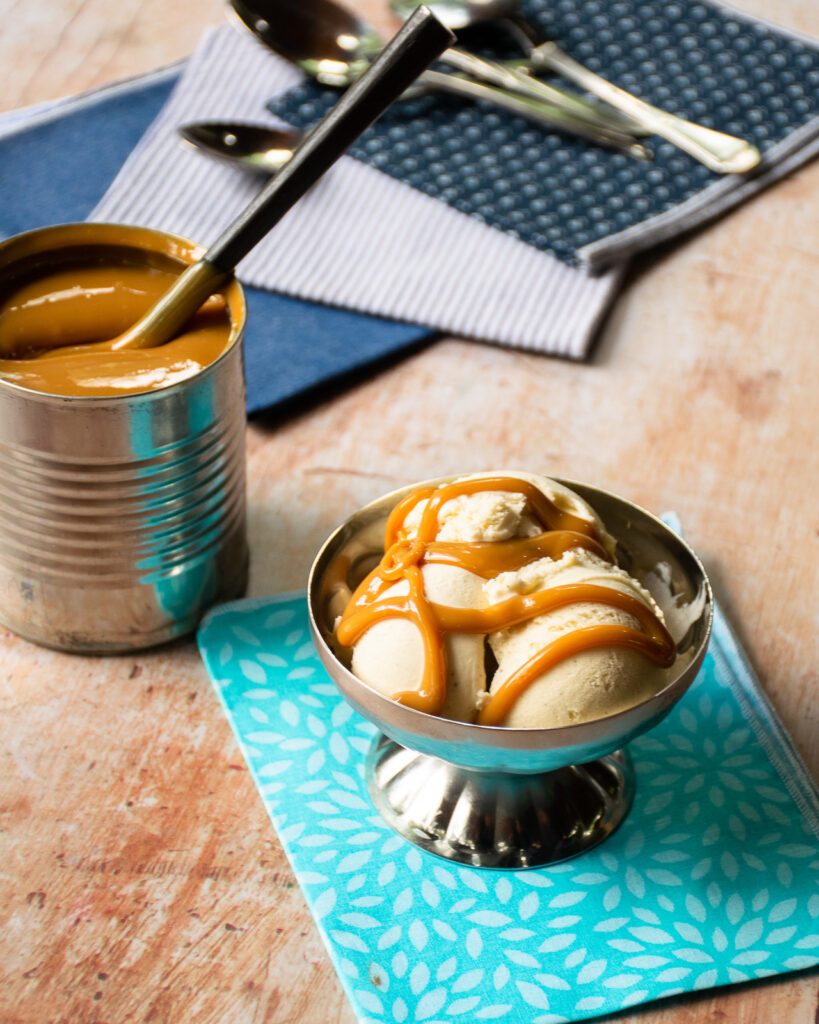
[575, 734]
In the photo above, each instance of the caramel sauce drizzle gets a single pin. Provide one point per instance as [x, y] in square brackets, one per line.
[561, 532]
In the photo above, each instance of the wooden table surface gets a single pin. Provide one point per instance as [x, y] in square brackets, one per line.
[140, 879]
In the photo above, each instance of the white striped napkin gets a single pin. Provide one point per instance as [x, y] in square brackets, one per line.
[360, 239]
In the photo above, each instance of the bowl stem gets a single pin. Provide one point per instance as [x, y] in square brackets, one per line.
[498, 819]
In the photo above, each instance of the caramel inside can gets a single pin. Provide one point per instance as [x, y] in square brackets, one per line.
[52, 304]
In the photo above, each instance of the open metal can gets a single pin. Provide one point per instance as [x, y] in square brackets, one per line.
[122, 519]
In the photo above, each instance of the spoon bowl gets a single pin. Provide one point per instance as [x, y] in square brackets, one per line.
[256, 146]
[328, 42]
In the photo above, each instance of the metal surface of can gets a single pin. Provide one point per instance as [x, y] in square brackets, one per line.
[122, 519]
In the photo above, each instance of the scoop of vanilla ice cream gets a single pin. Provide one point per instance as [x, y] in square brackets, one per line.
[389, 657]
[501, 515]
[592, 684]
[485, 516]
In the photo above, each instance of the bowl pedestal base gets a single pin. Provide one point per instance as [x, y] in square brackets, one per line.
[498, 819]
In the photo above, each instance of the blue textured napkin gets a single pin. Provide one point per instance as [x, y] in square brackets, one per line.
[578, 201]
[710, 881]
[56, 164]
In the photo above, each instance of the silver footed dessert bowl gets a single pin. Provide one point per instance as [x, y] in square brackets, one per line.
[508, 634]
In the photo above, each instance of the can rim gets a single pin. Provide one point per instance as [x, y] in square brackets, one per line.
[106, 234]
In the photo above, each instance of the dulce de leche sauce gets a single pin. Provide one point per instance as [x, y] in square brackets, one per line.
[48, 312]
[560, 532]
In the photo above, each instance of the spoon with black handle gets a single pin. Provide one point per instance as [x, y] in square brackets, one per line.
[422, 39]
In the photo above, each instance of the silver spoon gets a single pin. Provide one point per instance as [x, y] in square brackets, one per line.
[718, 151]
[334, 46]
[256, 146]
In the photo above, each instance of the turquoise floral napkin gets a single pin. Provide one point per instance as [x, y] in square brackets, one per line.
[711, 880]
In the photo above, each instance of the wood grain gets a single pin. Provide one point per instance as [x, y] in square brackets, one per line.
[139, 877]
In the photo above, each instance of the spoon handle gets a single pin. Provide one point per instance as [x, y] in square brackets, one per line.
[399, 64]
[512, 75]
[416, 45]
[544, 114]
[718, 151]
